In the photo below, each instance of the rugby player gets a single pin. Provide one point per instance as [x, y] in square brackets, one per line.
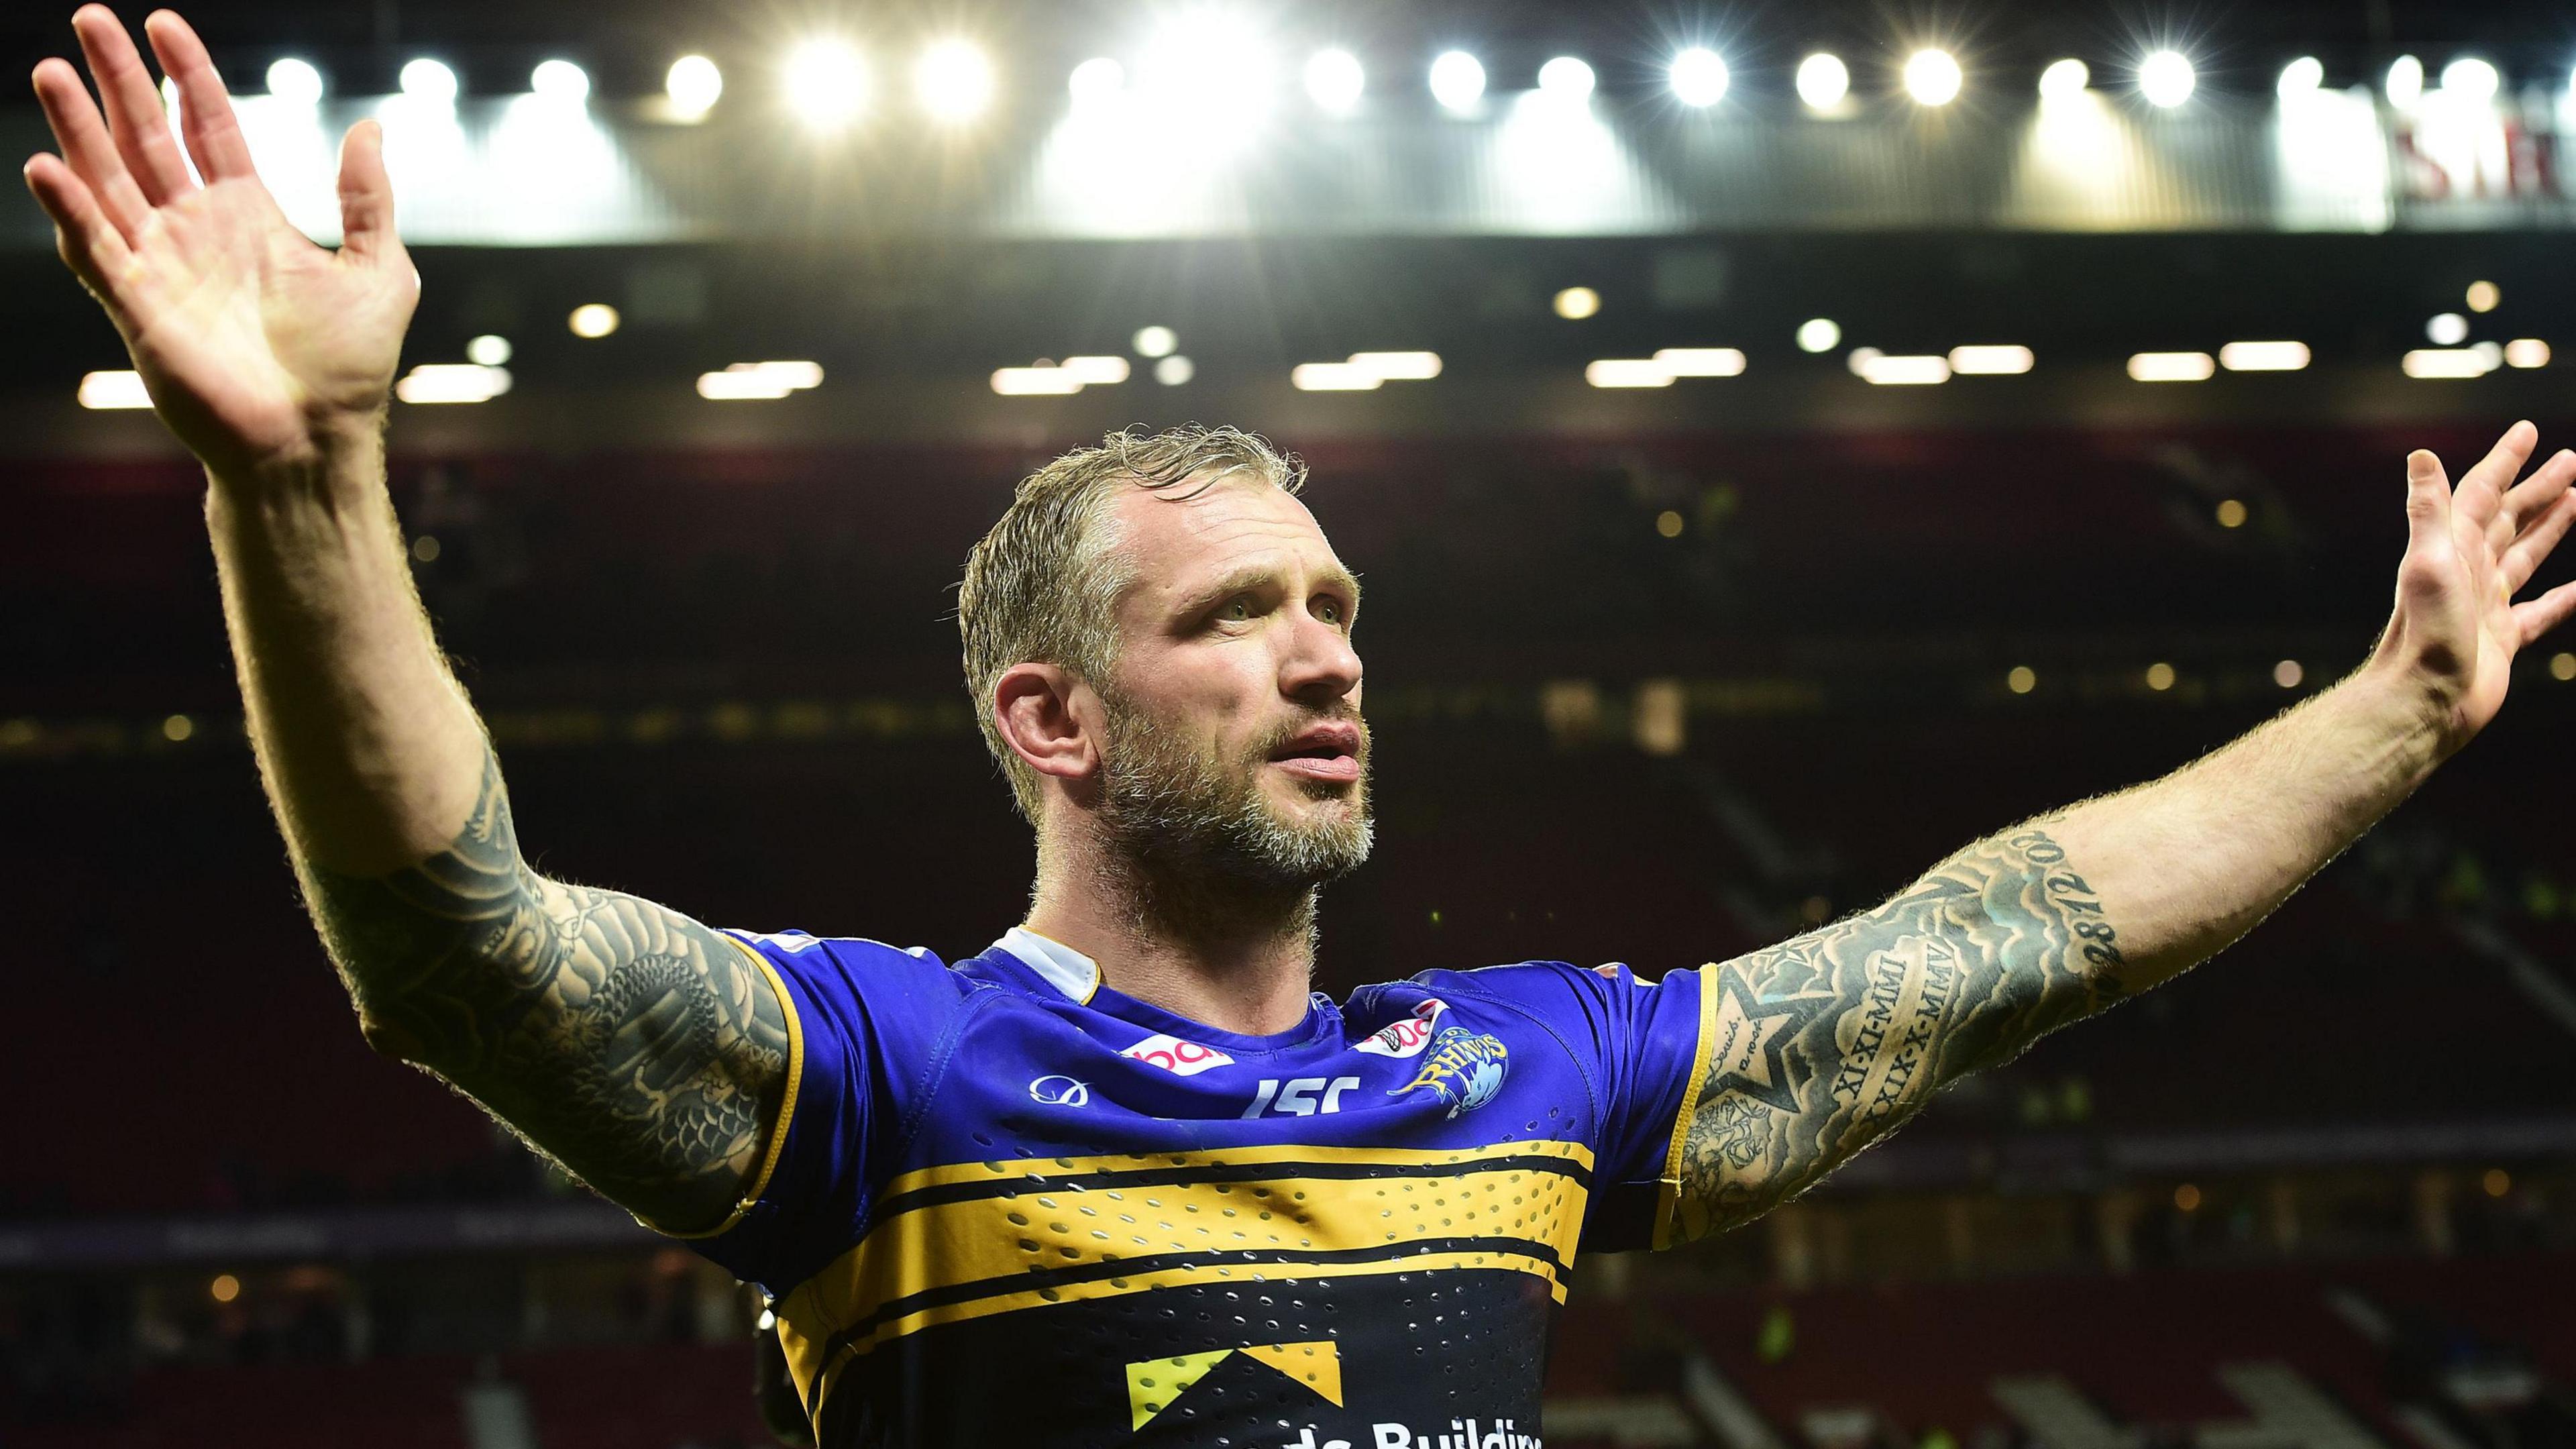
[1121, 1173]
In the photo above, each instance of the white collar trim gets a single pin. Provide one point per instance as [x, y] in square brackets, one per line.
[1065, 969]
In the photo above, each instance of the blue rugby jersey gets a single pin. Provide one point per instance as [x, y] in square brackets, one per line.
[1011, 1206]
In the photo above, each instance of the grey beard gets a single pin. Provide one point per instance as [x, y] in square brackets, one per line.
[1193, 821]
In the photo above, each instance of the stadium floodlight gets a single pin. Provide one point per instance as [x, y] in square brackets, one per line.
[2064, 79]
[1399, 366]
[2452, 362]
[1333, 377]
[1175, 370]
[1819, 334]
[1920, 371]
[1335, 81]
[1699, 77]
[2471, 78]
[953, 80]
[1823, 81]
[119, 388]
[1097, 371]
[2302, 77]
[294, 81]
[2526, 352]
[1035, 382]
[1628, 372]
[1457, 81]
[2263, 356]
[2484, 296]
[1215, 68]
[1576, 303]
[749, 381]
[1933, 77]
[2446, 329]
[428, 80]
[1096, 83]
[2166, 79]
[592, 320]
[1701, 361]
[1991, 360]
[693, 86]
[560, 80]
[2172, 366]
[826, 82]
[1156, 341]
[1567, 79]
[452, 382]
[2405, 84]
[491, 350]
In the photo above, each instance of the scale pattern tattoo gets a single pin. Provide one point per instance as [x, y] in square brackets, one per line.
[639, 1049]
[1820, 1045]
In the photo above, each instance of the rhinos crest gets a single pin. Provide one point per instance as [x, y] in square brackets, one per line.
[1466, 1070]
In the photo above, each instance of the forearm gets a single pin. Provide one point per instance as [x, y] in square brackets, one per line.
[370, 753]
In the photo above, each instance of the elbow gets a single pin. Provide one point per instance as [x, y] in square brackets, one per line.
[391, 1039]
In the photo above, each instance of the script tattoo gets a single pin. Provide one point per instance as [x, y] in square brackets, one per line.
[641, 1050]
[1822, 1044]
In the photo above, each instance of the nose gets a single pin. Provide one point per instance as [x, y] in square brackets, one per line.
[1321, 668]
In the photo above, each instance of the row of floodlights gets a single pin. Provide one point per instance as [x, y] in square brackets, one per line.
[827, 80]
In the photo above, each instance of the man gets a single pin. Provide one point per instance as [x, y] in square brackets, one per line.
[1121, 1173]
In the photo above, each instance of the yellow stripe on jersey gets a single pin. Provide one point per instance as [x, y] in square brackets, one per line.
[786, 1104]
[1044, 1167]
[1668, 1197]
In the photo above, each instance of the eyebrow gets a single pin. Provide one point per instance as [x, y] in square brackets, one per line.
[1253, 575]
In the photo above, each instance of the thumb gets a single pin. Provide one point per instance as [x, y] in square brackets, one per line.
[366, 195]
[2428, 504]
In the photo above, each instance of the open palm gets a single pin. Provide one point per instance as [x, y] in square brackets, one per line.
[253, 341]
[2468, 552]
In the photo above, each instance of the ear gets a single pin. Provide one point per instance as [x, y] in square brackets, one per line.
[1050, 719]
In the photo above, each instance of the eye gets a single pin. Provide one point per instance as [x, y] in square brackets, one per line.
[1330, 611]
[1235, 611]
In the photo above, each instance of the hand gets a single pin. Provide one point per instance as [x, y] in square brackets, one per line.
[258, 347]
[2468, 552]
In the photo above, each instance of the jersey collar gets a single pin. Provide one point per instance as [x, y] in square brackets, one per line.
[1059, 965]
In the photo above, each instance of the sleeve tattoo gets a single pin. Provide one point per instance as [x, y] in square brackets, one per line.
[642, 1051]
[1818, 1046]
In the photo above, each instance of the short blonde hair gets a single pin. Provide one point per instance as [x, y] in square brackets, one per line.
[1042, 586]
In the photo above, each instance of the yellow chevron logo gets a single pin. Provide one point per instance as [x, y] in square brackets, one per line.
[1152, 1384]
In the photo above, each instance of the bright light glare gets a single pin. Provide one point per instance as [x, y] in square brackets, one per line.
[491, 350]
[1567, 79]
[1097, 370]
[1576, 303]
[1628, 372]
[2446, 329]
[2172, 366]
[1699, 77]
[1399, 366]
[592, 319]
[693, 85]
[1457, 81]
[2166, 79]
[427, 80]
[2405, 82]
[750, 381]
[1885, 371]
[1932, 77]
[1701, 361]
[2302, 77]
[294, 81]
[1035, 382]
[1096, 82]
[452, 382]
[122, 388]
[2064, 78]
[560, 80]
[2263, 356]
[1990, 361]
[2471, 77]
[1335, 81]
[2526, 352]
[2484, 296]
[2448, 362]
[1175, 370]
[826, 82]
[1823, 81]
[1333, 377]
[1819, 334]
[953, 80]
[1155, 341]
[1214, 64]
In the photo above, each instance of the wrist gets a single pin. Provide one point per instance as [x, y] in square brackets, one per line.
[331, 447]
[2416, 714]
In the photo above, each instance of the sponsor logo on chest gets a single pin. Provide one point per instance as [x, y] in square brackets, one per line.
[1180, 1058]
[1408, 1037]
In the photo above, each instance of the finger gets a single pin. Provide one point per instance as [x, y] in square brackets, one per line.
[367, 196]
[2532, 549]
[90, 244]
[89, 152]
[134, 114]
[2545, 613]
[205, 111]
[2428, 504]
[2502, 464]
[2532, 497]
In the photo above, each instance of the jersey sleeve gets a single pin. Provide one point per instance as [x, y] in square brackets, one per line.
[1643, 1044]
[869, 1028]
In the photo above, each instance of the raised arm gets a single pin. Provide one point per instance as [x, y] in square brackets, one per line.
[644, 1051]
[1824, 1043]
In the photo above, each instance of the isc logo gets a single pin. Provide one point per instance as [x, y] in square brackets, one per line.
[1299, 1096]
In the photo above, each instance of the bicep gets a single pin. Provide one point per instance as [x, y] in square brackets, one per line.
[1818, 1046]
[644, 1051]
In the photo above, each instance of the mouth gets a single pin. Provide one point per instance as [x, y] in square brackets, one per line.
[1328, 753]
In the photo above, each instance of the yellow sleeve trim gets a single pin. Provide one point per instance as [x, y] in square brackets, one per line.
[786, 1104]
[1668, 1201]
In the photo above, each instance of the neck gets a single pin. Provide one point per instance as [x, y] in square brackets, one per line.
[1239, 956]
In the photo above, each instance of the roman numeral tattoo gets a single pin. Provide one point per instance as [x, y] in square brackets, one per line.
[1821, 1045]
[640, 1050]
